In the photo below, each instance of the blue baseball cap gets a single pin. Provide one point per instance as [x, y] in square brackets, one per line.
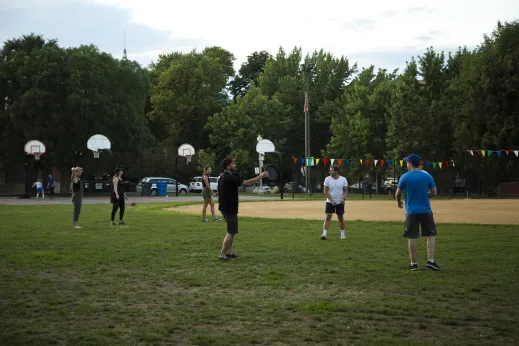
[413, 159]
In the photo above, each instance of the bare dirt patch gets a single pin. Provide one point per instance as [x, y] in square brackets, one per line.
[477, 211]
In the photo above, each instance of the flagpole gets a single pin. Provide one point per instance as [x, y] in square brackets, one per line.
[307, 67]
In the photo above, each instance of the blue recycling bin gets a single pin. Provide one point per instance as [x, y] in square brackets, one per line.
[162, 187]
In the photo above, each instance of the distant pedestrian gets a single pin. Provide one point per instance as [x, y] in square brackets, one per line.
[419, 187]
[50, 186]
[118, 196]
[208, 194]
[39, 188]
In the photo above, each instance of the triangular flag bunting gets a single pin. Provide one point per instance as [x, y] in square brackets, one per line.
[489, 152]
[361, 161]
[295, 159]
[303, 161]
[389, 163]
[368, 162]
[317, 161]
[332, 161]
[483, 152]
[382, 162]
[376, 161]
[434, 165]
[477, 151]
[471, 152]
[401, 163]
[498, 153]
[516, 152]
[427, 164]
[347, 162]
[325, 161]
[339, 162]
[440, 164]
[309, 161]
[446, 163]
[507, 152]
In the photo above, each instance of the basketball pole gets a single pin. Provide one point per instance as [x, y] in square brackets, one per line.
[176, 175]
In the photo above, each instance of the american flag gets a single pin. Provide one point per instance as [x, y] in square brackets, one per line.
[306, 103]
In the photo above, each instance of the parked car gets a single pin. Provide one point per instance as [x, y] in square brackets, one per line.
[172, 186]
[298, 187]
[196, 184]
[390, 185]
[262, 189]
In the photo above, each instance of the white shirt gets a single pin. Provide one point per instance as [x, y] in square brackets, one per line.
[335, 187]
[39, 185]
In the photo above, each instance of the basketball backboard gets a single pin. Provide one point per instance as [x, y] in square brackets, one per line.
[186, 150]
[35, 148]
[98, 143]
[265, 146]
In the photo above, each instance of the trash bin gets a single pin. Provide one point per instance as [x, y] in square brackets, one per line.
[146, 189]
[161, 188]
[368, 187]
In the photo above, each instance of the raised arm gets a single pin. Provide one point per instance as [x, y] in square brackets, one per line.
[74, 177]
[255, 180]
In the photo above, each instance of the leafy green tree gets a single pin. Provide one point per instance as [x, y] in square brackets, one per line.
[248, 74]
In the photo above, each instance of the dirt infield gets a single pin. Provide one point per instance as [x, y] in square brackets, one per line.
[477, 211]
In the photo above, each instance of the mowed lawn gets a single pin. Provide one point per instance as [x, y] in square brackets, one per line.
[158, 281]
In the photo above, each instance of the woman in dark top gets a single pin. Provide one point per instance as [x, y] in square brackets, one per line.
[118, 196]
[77, 194]
[208, 195]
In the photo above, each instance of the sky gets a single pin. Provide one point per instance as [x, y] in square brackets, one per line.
[381, 33]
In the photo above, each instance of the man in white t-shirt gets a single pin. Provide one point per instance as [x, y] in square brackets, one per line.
[336, 191]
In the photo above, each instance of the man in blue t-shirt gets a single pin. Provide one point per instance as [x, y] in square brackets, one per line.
[419, 187]
[50, 186]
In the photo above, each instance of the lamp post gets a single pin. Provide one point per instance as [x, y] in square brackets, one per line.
[307, 68]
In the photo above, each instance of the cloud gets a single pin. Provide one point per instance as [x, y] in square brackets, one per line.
[377, 29]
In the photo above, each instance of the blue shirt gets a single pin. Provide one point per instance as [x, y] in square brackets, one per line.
[51, 182]
[416, 185]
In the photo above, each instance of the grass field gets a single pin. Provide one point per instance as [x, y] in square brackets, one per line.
[158, 281]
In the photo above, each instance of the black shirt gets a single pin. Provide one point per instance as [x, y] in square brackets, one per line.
[228, 186]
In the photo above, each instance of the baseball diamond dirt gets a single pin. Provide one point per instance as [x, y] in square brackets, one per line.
[476, 211]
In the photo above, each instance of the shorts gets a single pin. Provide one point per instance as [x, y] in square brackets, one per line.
[415, 221]
[206, 193]
[232, 223]
[337, 209]
[39, 189]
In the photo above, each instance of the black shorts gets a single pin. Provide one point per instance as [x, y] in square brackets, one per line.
[232, 223]
[337, 209]
[424, 221]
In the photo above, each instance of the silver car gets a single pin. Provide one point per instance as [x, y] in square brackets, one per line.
[172, 186]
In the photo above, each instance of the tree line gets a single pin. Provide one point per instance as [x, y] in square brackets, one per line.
[439, 106]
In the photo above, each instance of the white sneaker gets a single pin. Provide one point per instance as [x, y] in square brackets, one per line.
[78, 227]
[343, 235]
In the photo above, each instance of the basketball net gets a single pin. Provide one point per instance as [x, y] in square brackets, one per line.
[37, 156]
[188, 159]
[96, 154]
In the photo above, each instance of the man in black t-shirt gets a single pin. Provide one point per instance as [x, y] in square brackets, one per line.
[228, 185]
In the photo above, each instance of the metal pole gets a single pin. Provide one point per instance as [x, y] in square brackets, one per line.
[293, 177]
[308, 129]
[306, 142]
[176, 175]
[281, 185]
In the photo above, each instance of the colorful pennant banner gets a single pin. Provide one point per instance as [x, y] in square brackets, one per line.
[488, 153]
[314, 161]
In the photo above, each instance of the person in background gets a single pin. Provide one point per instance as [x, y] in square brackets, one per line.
[50, 186]
[77, 194]
[118, 196]
[39, 188]
[208, 194]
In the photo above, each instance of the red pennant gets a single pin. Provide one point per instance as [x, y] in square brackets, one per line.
[295, 159]
[368, 162]
[477, 151]
[446, 163]
[339, 162]
[325, 161]
[382, 162]
[507, 152]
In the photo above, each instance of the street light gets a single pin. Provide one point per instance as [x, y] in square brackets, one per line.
[307, 68]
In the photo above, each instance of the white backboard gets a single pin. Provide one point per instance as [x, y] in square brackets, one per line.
[98, 142]
[265, 146]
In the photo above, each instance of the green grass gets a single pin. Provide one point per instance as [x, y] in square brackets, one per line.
[158, 281]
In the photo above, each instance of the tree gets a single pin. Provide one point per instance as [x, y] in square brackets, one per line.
[248, 74]
[206, 158]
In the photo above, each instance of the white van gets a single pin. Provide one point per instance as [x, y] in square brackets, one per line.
[196, 184]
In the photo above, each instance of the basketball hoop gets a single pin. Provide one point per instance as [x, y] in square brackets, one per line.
[188, 159]
[98, 143]
[187, 151]
[35, 148]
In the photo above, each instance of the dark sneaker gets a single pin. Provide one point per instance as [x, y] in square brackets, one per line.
[121, 223]
[232, 255]
[413, 267]
[432, 265]
[225, 259]
[112, 223]
[323, 237]
[217, 219]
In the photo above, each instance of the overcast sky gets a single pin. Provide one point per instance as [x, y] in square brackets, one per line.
[383, 33]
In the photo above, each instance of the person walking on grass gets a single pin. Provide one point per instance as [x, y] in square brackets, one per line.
[118, 197]
[39, 188]
[77, 194]
[419, 187]
[208, 194]
[336, 191]
[228, 185]
[50, 186]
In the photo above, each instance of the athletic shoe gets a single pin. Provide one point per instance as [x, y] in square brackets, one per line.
[205, 220]
[323, 237]
[217, 219]
[77, 227]
[121, 223]
[112, 223]
[232, 255]
[225, 259]
[432, 265]
[413, 267]
[343, 235]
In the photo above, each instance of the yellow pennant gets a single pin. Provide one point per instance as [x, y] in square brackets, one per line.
[317, 161]
[401, 163]
[483, 152]
[361, 161]
[440, 164]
